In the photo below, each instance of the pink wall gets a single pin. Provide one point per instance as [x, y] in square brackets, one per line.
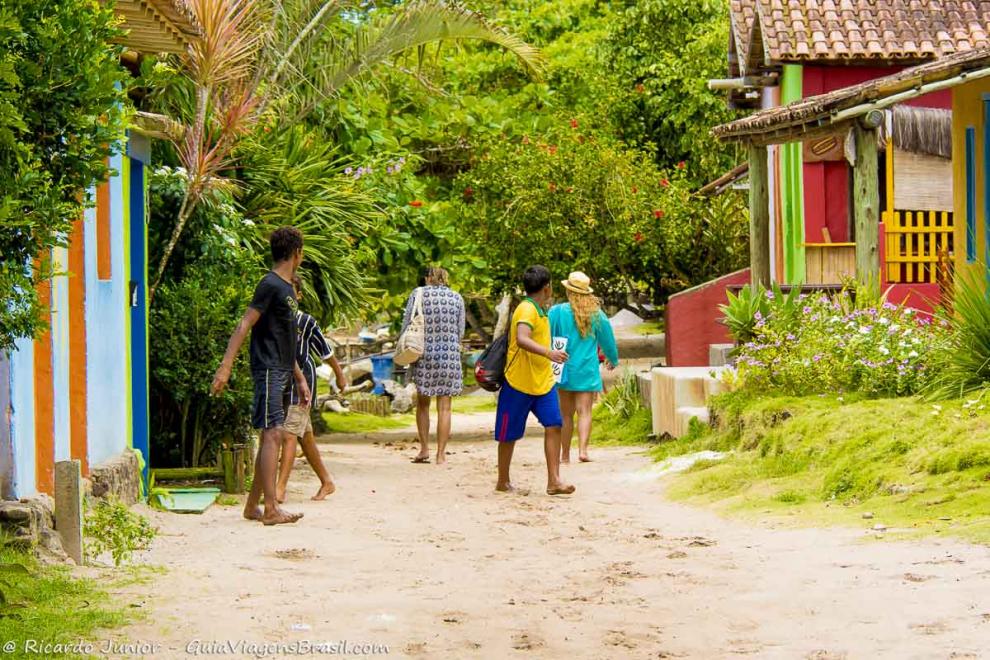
[693, 321]
[826, 185]
[922, 297]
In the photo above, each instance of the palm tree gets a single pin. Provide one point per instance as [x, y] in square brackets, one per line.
[254, 55]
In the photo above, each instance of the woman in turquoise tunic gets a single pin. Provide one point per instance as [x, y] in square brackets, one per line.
[583, 323]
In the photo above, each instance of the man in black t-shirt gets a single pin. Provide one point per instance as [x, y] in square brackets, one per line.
[271, 319]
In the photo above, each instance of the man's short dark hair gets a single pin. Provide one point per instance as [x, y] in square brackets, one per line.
[285, 241]
[535, 278]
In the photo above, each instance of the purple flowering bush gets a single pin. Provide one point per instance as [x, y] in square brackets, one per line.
[830, 346]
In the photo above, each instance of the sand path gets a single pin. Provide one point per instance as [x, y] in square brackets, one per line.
[429, 561]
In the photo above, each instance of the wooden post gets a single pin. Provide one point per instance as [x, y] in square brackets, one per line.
[759, 216]
[866, 199]
[229, 476]
[241, 460]
[68, 507]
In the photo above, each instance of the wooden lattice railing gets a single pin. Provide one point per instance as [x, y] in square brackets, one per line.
[913, 244]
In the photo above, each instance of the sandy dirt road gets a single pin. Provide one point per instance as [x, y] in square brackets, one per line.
[429, 561]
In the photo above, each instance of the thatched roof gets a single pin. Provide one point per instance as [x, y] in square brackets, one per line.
[726, 181]
[925, 131]
[157, 26]
[834, 111]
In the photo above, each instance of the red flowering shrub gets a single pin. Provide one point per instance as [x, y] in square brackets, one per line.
[607, 223]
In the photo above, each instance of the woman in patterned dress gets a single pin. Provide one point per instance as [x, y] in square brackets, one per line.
[437, 374]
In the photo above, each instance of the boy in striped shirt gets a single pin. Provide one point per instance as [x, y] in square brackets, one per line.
[310, 342]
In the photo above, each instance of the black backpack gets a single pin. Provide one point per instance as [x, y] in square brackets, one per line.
[489, 370]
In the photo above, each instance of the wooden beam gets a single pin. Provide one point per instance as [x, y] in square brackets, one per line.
[759, 216]
[866, 203]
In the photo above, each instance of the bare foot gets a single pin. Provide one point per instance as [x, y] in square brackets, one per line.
[280, 517]
[280, 494]
[510, 489]
[253, 514]
[565, 460]
[585, 458]
[560, 489]
[326, 489]
[441, 458]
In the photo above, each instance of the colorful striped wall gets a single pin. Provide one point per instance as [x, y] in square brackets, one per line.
[79, 390]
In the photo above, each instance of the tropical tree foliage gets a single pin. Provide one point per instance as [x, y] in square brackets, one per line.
[661, 53]
[578, 199]
[241, 67]
[61, 116]
[205, 288]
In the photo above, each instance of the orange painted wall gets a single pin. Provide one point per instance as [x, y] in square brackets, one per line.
[104, 270]
[44, 401]
[77, 345]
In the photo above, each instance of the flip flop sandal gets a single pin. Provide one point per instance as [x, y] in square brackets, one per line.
[421, 459]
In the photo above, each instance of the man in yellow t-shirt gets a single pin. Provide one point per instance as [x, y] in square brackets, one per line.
[529, 383]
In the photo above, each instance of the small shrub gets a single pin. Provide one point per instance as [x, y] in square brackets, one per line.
[621, 417]
[790, 497]
[110, 526]
[964, 367]
[745, 313]
[622, 401]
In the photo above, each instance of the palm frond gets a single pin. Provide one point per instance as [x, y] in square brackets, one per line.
[332, 65]
[231, 36]
[292, 181]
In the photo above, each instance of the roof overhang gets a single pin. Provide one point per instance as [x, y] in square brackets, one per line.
[156, 26]
[838, 110]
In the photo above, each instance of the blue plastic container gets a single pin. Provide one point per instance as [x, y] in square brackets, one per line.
[382, 367]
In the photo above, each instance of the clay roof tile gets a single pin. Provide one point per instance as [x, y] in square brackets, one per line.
[806, 30]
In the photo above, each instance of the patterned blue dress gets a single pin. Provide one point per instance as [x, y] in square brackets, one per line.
[438, 372]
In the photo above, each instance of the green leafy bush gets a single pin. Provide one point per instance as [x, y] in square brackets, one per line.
[208, 284]
[829, 346]
[110, 526]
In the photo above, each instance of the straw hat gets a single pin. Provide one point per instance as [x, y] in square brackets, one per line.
[578, 282]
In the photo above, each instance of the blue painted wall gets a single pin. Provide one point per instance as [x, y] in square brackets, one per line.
[22, 416]
[108, 392]
[60, 354]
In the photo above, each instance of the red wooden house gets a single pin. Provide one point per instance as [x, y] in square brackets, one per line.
[783, 51]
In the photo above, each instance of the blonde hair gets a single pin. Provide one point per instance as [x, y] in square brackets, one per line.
[584, 306]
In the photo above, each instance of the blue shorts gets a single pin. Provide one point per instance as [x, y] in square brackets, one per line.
[271, 397]
[514, 408]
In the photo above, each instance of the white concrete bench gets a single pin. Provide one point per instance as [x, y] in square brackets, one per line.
[680, 394]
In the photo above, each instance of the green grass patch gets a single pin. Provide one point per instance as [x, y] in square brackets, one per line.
[650, 328]
[51, 606]
[609, 429]
[355, 422]
[915, 466]
[228, 500]
[475, 403]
